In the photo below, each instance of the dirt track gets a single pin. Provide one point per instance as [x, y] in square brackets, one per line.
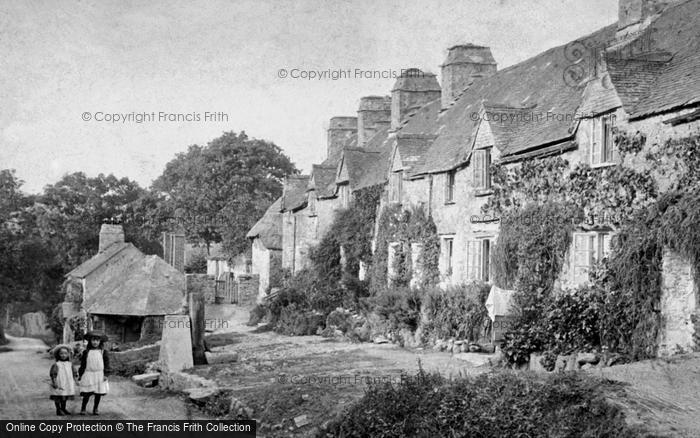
[24, 385]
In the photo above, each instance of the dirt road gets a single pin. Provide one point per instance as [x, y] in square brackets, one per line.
[24, 385]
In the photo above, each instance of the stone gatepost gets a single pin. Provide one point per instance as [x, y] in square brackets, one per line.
[197, 288]
[196, 304]
[176, 344]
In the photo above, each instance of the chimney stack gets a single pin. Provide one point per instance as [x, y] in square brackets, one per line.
[109, 235]
[412, 90]
[342, 131]
[634, 15]
[374, 115]
[464, 64]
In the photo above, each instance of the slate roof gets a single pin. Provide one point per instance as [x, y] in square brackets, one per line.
[269, 228]
[98, 259]
[538, 82]
[632, 80]
[412, 148]
[377, 169]
[294, 192]
[323, 177]
[147, 286]
[358, 162]
[677, 83]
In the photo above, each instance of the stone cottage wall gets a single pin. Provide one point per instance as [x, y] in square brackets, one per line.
[261, 264]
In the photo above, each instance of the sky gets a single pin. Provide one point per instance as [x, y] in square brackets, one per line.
[191, 70]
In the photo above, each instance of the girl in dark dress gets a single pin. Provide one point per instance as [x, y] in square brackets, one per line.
[94, 368]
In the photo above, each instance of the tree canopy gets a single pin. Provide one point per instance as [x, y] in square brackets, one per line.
[220, 190]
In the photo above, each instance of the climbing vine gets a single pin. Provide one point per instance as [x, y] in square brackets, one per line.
[402, 228]
[596, 190]
[625, 290]
[352, 230]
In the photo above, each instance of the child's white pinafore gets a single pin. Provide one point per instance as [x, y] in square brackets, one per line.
[65, 385]
[93, 380]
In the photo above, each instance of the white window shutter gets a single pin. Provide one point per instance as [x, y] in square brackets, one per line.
[477, 169]
[595, 141]
[487, 169]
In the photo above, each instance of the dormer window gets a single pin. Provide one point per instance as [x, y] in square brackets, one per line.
[602, 145]
[482, 163]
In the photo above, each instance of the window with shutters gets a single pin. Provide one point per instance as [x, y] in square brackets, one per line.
[478, 266]
[450, 187]
[482, 163]
[395, 182]
[588, 248]
[602, 143]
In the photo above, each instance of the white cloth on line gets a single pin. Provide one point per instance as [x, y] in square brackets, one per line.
[499, 301]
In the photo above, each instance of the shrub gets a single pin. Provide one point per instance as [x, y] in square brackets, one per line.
[497, 404]
[197, 264]
[400, 308]
[458, 312]
[296, 321]
[257, 314]
[573, 320]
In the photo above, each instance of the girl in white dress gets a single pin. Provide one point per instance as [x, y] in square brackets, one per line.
[94, 367]
[62, 379]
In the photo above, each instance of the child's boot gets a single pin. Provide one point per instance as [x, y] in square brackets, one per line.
[63, 408]
[96, 405]
[57, 403]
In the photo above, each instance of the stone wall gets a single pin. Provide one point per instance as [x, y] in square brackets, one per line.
[152, 328]
[679, 302]
[203, 283]
[248, 286]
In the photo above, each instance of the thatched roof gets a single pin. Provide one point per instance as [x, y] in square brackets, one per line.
[269, 228]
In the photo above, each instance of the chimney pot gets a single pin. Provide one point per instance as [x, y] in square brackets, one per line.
[464, 64]
[342, 131]
[109, 235]
[413, 88]
[373, 115]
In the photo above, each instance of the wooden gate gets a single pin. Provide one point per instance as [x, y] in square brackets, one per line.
[225, 292]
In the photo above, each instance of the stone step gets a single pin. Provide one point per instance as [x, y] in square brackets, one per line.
[221, 357]
[146, 380]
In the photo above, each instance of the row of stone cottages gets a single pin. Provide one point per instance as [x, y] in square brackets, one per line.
[432, 144]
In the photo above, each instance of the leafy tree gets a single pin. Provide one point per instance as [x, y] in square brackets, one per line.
[220, 190]
[69, 214]
[29, 273]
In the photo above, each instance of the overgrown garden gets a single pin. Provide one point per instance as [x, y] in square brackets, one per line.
[619, 309]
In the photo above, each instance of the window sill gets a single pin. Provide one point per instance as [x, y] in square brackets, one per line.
[483, 192]
[599, 165]
[450, 202]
